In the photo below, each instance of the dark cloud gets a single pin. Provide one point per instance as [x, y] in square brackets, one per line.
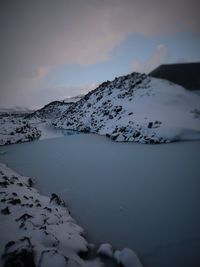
[37, 35]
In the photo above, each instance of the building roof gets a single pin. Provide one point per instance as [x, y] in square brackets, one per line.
[185, 74]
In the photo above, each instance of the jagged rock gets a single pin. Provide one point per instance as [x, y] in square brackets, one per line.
[22, 258]
[57, 200]
[19, 253]
[15, 201]
[5, 211]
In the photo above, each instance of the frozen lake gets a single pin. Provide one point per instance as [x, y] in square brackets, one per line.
[146, 197]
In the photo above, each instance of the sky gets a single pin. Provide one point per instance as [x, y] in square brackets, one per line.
[54, 49]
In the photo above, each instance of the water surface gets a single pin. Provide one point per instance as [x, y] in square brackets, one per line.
[146, 197]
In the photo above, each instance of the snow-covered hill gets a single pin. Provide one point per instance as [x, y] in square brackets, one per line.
[15, 129]
[50, 111]
[25, 126]
[134, 107]
[137, 108]
[53, 109]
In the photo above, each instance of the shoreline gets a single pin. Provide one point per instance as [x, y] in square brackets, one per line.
[38, 230]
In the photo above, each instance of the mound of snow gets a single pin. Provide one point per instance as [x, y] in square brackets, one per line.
[127, 258]
[14, 130]
[105, 250]
[37, 230]
[136, 108]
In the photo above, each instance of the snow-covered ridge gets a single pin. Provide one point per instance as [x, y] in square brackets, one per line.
[53, 110]
[136, 108]
[15, 129]
[50, 111]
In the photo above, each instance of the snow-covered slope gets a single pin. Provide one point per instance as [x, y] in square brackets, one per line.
[36, 230]
[136, 108]
[27, 126]
[53, 109]
[15, 129]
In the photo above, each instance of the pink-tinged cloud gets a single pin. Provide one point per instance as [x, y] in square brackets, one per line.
[159, 56]
[37, 36]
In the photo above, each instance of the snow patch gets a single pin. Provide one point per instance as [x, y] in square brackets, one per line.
[127, 258]
[105, 250]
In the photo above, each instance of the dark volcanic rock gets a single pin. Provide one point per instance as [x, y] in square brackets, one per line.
[5, 211]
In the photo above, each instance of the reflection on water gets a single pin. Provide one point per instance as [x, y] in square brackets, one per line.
[69, 132]
[48, 132]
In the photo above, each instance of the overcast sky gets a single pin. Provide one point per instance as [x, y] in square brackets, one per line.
[52, 49]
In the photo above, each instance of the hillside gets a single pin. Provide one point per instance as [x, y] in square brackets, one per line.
[54, 109]
[50, 111]
[14, 129]
[136, 108]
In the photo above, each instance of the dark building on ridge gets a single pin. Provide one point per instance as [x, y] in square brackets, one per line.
[185, 74]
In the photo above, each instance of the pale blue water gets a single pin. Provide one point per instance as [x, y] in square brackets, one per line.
[146, 197]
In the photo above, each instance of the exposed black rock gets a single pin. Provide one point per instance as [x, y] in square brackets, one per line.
[5, 211]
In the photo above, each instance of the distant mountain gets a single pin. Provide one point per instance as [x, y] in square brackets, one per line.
[15, 110]
[54, 109]
[50, 111]
[136, 108]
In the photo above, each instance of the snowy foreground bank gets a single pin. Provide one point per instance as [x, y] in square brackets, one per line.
[38, 231]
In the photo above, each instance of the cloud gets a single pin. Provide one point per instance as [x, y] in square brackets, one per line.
[37, 36]
[159, 56]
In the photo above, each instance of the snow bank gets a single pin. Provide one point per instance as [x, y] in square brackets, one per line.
[37, 230]
[136, 108]
[105, 250]
[14, 130]
[127, 258]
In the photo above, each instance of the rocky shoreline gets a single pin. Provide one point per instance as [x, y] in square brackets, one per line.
[38, 231]
[15, 129]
